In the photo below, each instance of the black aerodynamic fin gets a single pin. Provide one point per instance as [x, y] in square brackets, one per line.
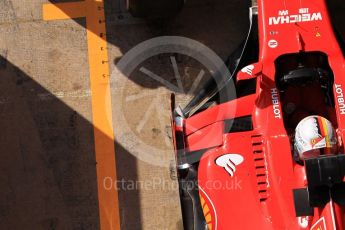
[193, 217]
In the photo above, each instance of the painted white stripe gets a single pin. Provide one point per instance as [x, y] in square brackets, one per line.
[333, 215]
[317, 222]
[229, 170]
[232, 166]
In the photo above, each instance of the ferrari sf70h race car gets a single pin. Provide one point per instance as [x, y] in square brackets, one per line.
[240, 152]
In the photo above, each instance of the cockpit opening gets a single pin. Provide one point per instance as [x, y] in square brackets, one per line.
[305, 82]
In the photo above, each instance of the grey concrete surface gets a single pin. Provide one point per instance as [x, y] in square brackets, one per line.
[47, 169]
[214, 23]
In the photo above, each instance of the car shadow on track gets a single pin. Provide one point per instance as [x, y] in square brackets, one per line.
[48, 167]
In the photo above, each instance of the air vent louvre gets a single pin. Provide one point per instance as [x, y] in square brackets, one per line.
[260, 167]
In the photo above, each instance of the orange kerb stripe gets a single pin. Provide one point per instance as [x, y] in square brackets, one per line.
[64, 11]
[93, 10]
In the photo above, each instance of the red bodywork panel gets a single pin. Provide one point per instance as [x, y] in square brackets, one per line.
[257, 193]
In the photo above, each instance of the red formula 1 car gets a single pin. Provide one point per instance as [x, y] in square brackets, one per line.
[240, 150]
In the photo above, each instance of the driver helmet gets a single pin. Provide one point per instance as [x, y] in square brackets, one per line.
[314, 135]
